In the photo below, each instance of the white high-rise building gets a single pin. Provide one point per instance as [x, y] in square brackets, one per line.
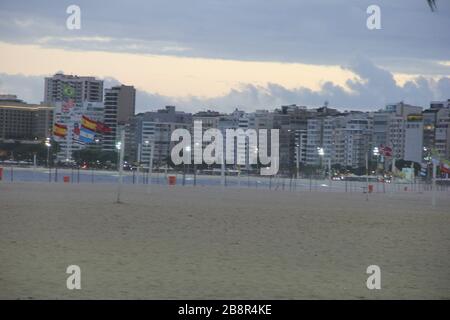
[314, 141]
[73, 97]
[72, 118]
[414, 138]
[390, 127]
[79, 88]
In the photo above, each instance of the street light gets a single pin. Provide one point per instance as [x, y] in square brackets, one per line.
[188, 151]
[118, 147]
[297, 159]
[48, 145]
[321, 153]
[376, 151]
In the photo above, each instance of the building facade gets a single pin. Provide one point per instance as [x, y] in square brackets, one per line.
[119, 108]
[22, 121]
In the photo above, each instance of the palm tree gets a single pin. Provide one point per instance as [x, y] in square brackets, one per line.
[432, 4]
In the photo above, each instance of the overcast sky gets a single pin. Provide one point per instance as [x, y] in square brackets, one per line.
[225, 54]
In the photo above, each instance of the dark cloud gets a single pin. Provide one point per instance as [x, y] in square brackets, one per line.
[412, 38]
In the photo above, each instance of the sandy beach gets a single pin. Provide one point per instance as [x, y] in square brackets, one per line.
[214, 243]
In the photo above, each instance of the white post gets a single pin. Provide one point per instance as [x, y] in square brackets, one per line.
[139, 161]
[367, 175]
[222, 167]
[433, 199]
[329, 173]
[298, 160]
[150, 166]
[121, 155]
[393, 173]
[239, 175]
[34, 166]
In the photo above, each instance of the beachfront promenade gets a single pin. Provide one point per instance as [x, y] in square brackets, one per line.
[41, 174]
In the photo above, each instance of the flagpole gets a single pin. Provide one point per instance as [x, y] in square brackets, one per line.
[121, 148]
[222, 166]
[150, 166]
[433, 197]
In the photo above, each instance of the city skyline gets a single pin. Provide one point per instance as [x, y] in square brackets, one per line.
[206, 55]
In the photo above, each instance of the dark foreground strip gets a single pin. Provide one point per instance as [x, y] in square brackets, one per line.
[224, 309]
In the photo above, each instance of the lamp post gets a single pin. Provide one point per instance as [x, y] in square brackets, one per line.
[321, 153]
[376, 153]
[48, 145]
[195, 166]
[188, 151]
[120, 146]
[146, 143]
[150, 163]
[297, 160]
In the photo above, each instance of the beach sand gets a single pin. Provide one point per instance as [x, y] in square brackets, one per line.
[214, 243]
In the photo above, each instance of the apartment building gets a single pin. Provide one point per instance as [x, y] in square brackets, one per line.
[119, 108]
[22, 121]
[79, 88]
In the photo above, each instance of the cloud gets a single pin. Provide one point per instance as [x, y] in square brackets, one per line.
[325, 32]
[27, 88]
[371, 89]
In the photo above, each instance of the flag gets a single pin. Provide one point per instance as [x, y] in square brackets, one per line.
[86, 135]
[59, 130]
[88, 123]
[78, 141]
[423, 169]
[68, 91]
[103, 128]
[385, 151]
[445, 167]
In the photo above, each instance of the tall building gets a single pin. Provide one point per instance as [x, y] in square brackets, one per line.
[314, 141]
[414, 138]
[81, 89]
[119, 106]
[390, 126]
[155, 128]
[300, 146]
[72, 119]
[22, 121]
[442, 138]
[357, 142]
[73, 97]
[435, 128]
[440, 104]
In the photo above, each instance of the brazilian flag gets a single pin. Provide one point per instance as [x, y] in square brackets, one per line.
[68, 91]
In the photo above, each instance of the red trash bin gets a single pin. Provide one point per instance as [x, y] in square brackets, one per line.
[172, 180]
[370, 188]
[1, 173]
[66, 179]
